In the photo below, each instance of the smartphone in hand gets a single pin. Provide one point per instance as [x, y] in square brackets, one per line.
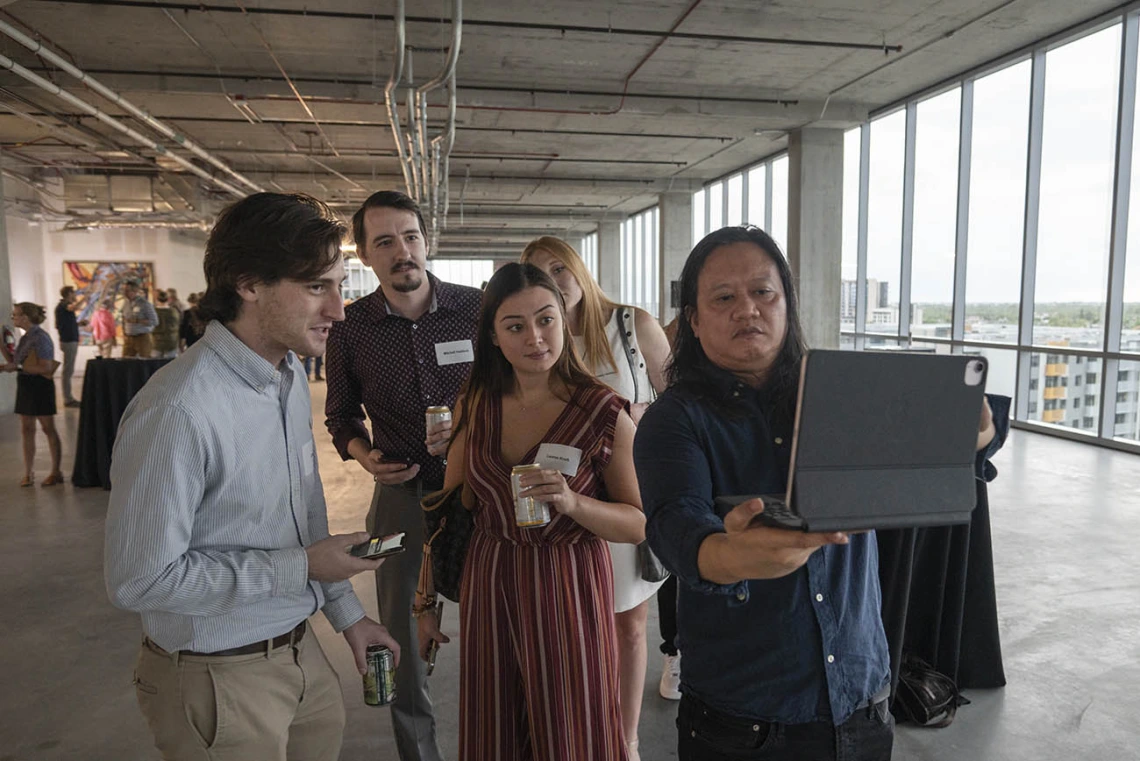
[379, 547]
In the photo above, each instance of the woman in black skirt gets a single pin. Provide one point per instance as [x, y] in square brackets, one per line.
[35, 389]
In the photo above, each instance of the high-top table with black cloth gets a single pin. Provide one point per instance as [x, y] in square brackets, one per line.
[108, 386]
[938, 587]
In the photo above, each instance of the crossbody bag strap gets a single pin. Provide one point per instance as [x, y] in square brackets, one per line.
[623, 334]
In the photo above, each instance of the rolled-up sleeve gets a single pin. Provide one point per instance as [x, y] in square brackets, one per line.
[677, 492]
[344, 413]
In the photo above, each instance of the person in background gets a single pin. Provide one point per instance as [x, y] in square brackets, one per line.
[165, 335]
[538, 662]
[217, 527]
[192, 326]
[309, 367]
[35, 389]
[625, 348]
[103, 328]
[401, 349]
[139, 321]
[175, 303]
[68, 328]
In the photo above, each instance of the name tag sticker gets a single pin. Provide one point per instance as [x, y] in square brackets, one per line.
[454, 352]
[559, 457]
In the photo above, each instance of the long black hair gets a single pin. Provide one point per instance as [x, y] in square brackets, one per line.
[692, 370]
[491, 373]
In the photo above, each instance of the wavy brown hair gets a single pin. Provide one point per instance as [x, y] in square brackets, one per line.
[491, 373]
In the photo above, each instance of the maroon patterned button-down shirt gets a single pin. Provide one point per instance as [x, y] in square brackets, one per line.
[387, 363]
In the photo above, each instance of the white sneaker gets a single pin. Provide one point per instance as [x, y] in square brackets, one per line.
[670, 687]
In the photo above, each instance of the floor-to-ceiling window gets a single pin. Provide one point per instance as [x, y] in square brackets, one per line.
[640, 279]
[1021, 225]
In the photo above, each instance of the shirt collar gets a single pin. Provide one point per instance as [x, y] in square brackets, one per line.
[250, 366]
[443, 295]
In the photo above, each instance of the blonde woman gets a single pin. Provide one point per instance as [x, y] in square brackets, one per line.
[627, 350]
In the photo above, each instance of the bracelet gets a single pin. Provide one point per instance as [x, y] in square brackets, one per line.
[419, 611]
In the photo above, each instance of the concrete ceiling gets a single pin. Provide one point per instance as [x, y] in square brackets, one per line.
[554, 135]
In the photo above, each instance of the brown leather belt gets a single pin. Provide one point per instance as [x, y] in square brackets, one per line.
[289, 638]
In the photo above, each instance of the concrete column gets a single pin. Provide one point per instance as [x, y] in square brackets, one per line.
[676, 226]
[7, 380]
[609, 258]
[815, 229]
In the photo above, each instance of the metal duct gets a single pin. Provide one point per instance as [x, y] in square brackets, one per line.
[36, 47]
[398, 53]
[82, 105]
[161, 224]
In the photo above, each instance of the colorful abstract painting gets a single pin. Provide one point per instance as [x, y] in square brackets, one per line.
[96, 281]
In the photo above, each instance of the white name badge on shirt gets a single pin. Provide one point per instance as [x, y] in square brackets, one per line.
[559, 457]
[454, 352]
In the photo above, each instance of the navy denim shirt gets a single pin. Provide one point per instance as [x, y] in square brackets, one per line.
[806, 647]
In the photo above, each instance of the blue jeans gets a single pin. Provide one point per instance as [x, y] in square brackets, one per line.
[705, 734]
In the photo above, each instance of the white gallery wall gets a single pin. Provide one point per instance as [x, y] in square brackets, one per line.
[37, 251]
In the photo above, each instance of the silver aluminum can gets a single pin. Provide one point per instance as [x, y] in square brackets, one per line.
[436, 415]
[529, 512]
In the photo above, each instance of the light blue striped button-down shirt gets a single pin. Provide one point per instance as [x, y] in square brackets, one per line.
[215, 494]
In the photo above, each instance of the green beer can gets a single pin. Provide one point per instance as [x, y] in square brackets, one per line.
[380, 681]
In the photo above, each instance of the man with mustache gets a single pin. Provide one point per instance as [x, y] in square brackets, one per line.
[405, 348]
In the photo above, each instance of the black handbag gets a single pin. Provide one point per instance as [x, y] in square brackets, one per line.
[924, 696]
[650, 565]
[447, 531]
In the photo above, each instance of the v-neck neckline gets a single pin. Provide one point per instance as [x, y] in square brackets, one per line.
[528, 456]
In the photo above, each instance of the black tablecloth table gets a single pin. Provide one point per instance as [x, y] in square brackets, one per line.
[938, 588]
[108, 386]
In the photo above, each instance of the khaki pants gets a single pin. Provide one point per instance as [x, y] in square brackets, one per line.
[138, 346]
[106, 348]
[282, 705]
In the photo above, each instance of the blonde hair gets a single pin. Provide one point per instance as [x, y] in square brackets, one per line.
[595, 308]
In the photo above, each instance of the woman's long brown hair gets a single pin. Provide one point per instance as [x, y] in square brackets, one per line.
[491, 373]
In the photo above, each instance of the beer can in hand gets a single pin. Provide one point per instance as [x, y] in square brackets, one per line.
[436, 415]
[380, 681]
[529, 512]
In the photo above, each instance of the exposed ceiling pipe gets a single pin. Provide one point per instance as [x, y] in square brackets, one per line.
[434, 154]
[413, 144]
[561, 30]
[397, 74]
[163, 224]
[110, 121]
[52, 57]
[448, 141]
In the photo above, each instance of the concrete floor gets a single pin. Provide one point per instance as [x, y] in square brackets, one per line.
[1066, 526]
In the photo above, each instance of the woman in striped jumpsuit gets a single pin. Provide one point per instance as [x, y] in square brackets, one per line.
[538, 661]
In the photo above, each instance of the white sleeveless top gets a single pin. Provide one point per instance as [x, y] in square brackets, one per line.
[630, 379]
[631, 382]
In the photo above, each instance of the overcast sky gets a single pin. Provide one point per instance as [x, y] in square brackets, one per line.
[1076, 184]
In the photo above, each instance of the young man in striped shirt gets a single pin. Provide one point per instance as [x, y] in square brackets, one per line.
[217, 531]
